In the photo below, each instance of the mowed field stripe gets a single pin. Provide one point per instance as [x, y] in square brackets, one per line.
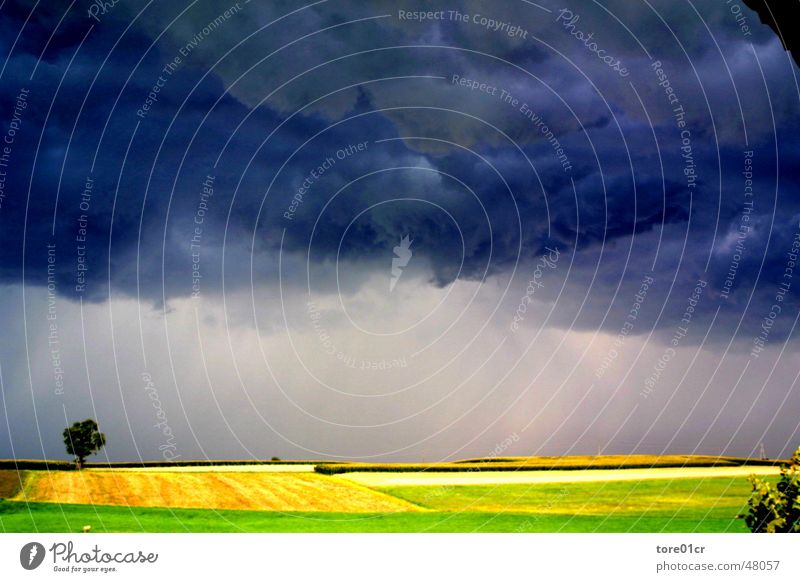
[268, 491]
[270, 468]
[432, 478]
[11, 482]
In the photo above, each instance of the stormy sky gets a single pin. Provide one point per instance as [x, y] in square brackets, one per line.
[398, 230]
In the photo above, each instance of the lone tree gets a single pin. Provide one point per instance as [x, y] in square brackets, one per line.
[83, 439]
[776, 509]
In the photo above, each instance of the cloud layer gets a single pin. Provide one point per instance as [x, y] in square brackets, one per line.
[232, 163]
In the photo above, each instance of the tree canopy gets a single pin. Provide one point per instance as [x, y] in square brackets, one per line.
[83, 439]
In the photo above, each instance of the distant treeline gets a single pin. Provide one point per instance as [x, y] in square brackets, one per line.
[41, 465]
[574, 463]
[547, 464]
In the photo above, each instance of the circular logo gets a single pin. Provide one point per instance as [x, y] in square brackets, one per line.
[31, 555]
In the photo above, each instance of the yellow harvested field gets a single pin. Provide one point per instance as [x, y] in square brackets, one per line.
[272, 491]
[271, 468]
[432, 478]
[10, 482]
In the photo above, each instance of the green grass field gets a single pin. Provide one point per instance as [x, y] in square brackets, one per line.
[683, 505]
[707, 505]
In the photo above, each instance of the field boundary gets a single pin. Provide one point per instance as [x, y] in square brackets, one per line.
[547, 464]
[46, 465]
[574, 463]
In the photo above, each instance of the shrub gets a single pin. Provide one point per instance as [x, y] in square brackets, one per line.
[776, 509]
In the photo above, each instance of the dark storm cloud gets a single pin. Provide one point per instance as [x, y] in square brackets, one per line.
[778, 15]
[620, 193]
[474, 178]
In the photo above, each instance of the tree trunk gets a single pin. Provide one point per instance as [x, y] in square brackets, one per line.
[79, 463]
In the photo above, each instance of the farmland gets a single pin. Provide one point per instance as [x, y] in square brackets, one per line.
[251, 490]
[280, 497]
